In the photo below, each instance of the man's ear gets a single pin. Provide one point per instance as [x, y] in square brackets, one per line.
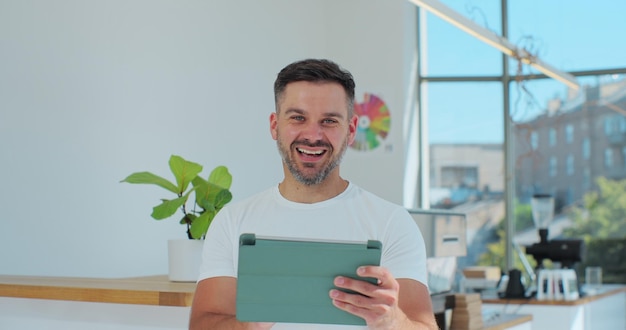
[352, 126]
[273, 124]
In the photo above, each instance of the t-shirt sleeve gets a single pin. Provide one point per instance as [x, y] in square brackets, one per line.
[219, 253]
[405, 253]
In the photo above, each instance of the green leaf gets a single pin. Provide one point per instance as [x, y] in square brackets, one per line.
[202, 190]
[210, 196]
[206, 205]
[201, 224]
[184, 171]
[168, 208]
[149, 178]
[221, 177]
[188, 218]
[223, 197]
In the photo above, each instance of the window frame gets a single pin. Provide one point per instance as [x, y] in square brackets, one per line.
[507, 80]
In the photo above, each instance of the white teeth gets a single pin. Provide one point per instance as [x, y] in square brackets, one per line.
[309, 152]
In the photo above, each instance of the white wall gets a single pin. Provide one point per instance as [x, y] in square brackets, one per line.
[370, 37]
[92, 91]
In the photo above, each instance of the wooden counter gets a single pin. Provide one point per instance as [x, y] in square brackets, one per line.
[607, 291]
[149, 290]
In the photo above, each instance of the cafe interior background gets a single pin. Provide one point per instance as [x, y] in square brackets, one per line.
[93, 91]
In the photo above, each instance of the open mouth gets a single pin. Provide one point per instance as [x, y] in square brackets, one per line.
[311, 153]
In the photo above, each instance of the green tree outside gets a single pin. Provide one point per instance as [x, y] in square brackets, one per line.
[603, 213]
[601, 222]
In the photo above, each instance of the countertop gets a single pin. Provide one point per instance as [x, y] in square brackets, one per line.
[505, 321]
[607, 290]
[148, 290]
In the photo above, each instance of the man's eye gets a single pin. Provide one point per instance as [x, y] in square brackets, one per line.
[330, 121]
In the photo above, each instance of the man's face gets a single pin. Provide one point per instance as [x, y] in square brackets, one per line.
[312, 129]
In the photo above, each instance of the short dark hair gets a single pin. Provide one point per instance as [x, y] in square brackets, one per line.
[315, 70]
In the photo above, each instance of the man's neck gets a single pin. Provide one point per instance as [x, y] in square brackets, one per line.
[298, 192]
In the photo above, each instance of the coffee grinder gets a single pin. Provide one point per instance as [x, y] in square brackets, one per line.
[565, 252]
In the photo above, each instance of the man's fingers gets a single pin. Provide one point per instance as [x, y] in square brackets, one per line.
[383, 276]
[357, 285]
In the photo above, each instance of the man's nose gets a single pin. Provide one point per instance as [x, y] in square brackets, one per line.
[312, 132]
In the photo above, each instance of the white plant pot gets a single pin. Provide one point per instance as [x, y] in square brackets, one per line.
[184, 258]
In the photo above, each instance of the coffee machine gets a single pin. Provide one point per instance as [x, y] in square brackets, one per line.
[558, 283]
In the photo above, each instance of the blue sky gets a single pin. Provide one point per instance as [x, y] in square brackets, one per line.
[569, 35]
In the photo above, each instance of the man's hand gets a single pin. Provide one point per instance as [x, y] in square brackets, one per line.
[379, 305]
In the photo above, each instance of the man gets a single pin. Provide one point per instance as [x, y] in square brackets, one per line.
[313, 124]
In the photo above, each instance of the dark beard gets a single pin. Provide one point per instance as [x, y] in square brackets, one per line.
[318, 177]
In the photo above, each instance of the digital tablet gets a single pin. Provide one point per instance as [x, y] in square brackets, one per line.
[287, 280]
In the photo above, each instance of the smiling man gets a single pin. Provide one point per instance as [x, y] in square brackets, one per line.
[312, 128]
[313, 124]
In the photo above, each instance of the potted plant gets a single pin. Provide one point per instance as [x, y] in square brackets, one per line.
[210, 195]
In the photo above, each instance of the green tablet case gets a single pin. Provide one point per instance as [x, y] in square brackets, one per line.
[289, 281]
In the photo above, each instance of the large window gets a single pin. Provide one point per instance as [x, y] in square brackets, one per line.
[491, 118]
[465, 163]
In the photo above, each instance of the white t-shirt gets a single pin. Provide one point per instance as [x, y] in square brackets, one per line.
[353, 215]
